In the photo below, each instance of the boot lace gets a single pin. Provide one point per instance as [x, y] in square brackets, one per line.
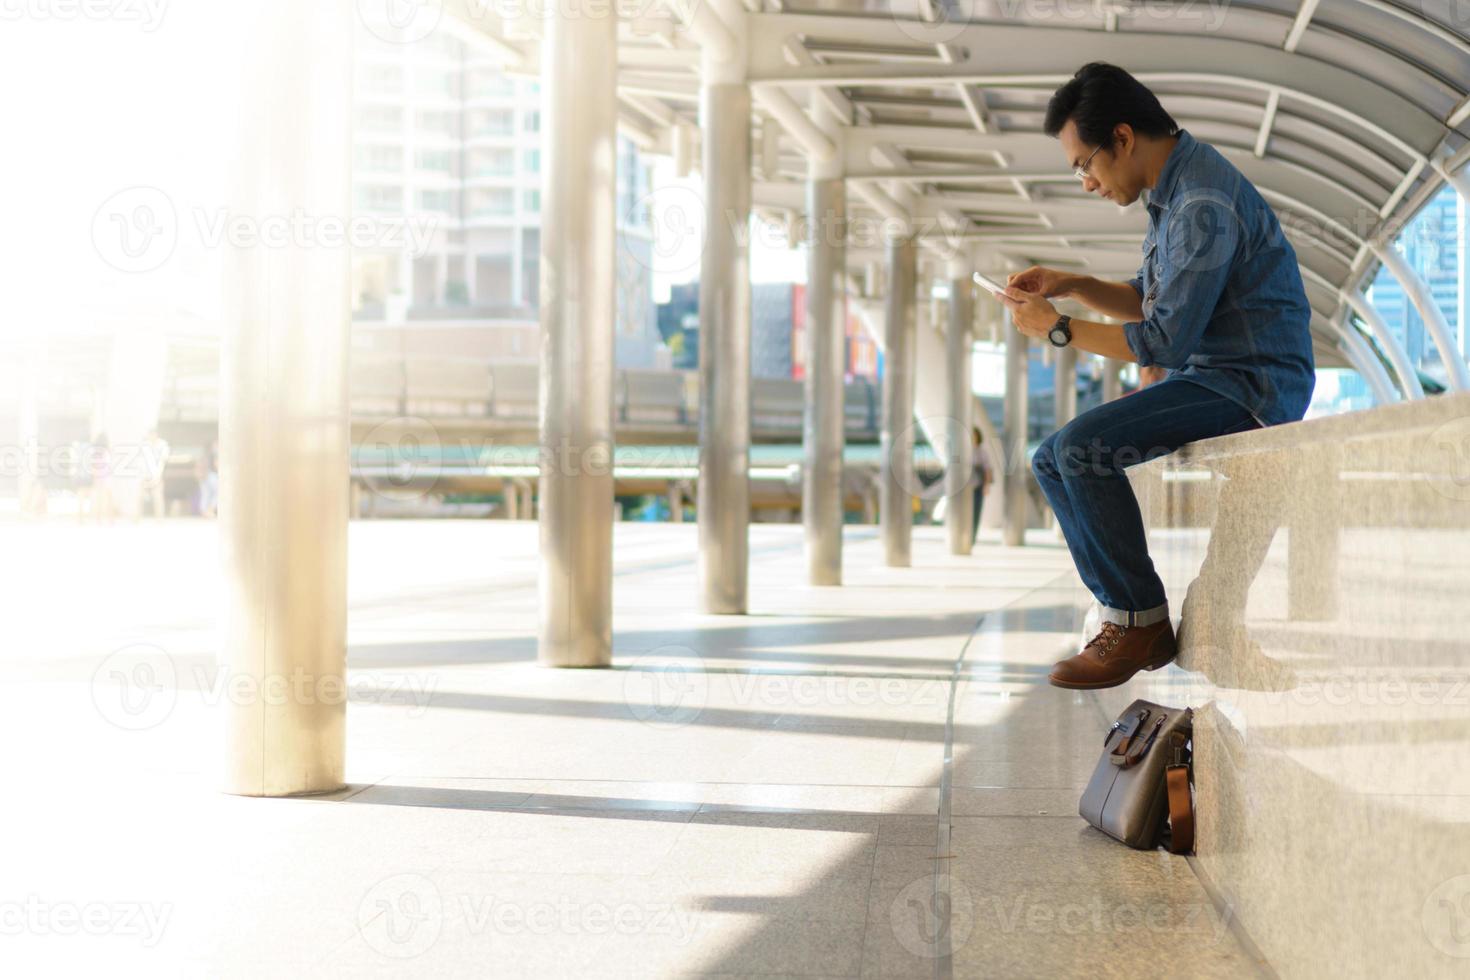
[1107, 638]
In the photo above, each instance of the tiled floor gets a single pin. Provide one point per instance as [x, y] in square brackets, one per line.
[755, 795]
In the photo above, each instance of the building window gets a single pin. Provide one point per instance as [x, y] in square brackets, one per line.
[379, 197]
[437, 160]
[379, 119]
[488, 85]
[431, 81]
[436, 201]
[438, 122]
[378, 159]
[381, 79]
[495, 122]
[533, 121]
[495, 162]
[531, 201]
[494, 201]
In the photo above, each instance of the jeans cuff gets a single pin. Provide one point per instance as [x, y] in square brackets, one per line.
[1145, 617]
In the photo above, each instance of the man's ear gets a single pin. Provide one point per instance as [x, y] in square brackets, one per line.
[1123, 139]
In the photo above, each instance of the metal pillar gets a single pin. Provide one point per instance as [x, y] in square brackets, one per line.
[723, 508]
[1112, 379]
[823, 435]
[1065, 386]
[283, 426]
[1409, 382]
[822, 415]
[1362, 358]
[29, 485]
[1460, 181]
[578, 309]
[1382, 388]
[1455, 367]
[1016, 423]
[959, 468]
[896, 484]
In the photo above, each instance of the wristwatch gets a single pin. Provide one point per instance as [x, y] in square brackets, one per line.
[1060, 334]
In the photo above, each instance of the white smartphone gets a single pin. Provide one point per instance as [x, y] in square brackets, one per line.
[989, 284]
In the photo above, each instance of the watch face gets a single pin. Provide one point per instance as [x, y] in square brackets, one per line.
[1058, 336]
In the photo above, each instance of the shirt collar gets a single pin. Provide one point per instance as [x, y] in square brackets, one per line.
[1159, 195]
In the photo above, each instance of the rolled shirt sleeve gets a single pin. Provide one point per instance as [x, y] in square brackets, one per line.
[1200, 242]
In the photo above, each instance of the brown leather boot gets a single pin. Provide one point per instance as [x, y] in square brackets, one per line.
[1115, 654]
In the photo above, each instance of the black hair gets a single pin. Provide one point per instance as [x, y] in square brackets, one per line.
[1098, 98]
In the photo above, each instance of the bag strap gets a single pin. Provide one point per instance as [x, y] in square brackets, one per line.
[1181, 809]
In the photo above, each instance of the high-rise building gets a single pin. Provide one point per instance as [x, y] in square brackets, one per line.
[447, 151]
[1433, 244]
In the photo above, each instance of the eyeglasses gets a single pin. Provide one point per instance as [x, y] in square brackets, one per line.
[1081, 172]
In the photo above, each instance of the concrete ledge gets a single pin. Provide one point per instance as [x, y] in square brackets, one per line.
[1319, 574]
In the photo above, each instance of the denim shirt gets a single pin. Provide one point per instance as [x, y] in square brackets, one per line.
[1223, 304]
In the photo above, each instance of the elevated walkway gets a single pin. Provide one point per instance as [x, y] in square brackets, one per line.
[764, 794]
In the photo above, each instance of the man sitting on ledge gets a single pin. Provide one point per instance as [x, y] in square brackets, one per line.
[1218, 301]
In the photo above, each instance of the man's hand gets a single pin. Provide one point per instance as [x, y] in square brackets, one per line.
[1042, 281]
[1033, 315]
[1151, 374]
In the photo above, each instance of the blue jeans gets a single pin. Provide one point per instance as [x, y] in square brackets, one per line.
[1080, 469]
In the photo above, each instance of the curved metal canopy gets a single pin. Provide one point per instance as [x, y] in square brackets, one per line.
[1346, 114]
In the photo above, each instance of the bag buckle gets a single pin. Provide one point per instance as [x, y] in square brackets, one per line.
[1138, 749]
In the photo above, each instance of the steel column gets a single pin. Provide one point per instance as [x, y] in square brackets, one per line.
[1409, 382]
[1363, 359]
[1064, 373]
[1016, 424]
[1112, 378]
[578, 309]
[822, 414]
[283, 426]
[723, 494]
[959, 469]
[1434, 320]
[899, 358]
